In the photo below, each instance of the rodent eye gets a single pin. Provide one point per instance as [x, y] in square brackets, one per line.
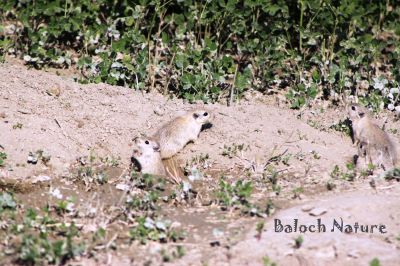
[205, 114]
[147, 142]
[353, 108]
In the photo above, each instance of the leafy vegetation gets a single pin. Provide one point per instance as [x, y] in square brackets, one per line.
[3, 157]
[7, 201]
[236, 194]
[210, 50]
[37, 238]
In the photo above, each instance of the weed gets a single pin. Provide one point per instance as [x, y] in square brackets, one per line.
[199, 161]
[286, 158]
[267, 261]
[7, 201]
[297, 191]
[298, 242]
[155, 230]
[17, 126]
[375, 262]
[234, 149]
[3, 157]
[235, 194]
[393, 174]
[41, 240]
[111, 161]
[315, 155]
[348, 175]
[330, 185]
[343, 126]
[211, 50]
[176, 253]
[260, 227]
[272, 176]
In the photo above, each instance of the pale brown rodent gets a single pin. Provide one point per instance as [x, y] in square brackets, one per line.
[372, 142]
[174, 135]
[146, 155]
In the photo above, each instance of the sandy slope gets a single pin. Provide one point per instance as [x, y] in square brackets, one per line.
[104, 119]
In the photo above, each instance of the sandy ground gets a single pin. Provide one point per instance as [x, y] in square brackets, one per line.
[65, 119]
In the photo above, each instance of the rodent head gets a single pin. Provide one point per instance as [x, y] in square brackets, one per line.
[357, 112]
[145, 145]
[201, 116]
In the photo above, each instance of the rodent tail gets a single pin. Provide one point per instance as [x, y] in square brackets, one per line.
[174, 172]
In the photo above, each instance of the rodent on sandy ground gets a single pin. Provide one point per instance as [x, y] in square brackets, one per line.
[373, 143]
[147, 157]
[174, 135]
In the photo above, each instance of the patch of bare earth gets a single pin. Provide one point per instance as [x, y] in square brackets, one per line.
[253, 140]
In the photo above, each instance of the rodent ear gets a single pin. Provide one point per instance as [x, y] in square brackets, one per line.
[195, 115]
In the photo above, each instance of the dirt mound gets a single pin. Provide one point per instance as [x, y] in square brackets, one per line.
[65, 119]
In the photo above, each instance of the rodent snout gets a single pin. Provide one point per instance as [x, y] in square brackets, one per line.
[157, 148]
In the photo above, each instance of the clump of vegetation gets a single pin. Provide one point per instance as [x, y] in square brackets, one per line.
[7, 201]
[268, 262]
[3, 157]
[343, 126]
[144, 208]
[298, 241]
[393, 174]
[38, 238]
[349, 174]
[212, 50]
[156, 230]
[375, 262]
[234, 149]
[171, 255]
[236, 194]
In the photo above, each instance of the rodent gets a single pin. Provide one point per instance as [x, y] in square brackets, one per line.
[147, 157]
[372, 142]
[174, 135]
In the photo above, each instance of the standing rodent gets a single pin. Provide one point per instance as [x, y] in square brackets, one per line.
[372, 142]
[174, 135]
[146, 155]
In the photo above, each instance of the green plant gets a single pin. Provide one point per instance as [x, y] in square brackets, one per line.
[7, 201]
[211, 50]
[176, 253]
[343, 126]
[301, 95]
[38, 249]
[272, 177]
[42, 240]
[155, 230]
[375, 262]
[3, 157]
[17, 126]
[235, 194]
[298, 241]
[234, 149]
[111, 161]
[393, 174]
[349, 174]
[297, 191]
[267, 261]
